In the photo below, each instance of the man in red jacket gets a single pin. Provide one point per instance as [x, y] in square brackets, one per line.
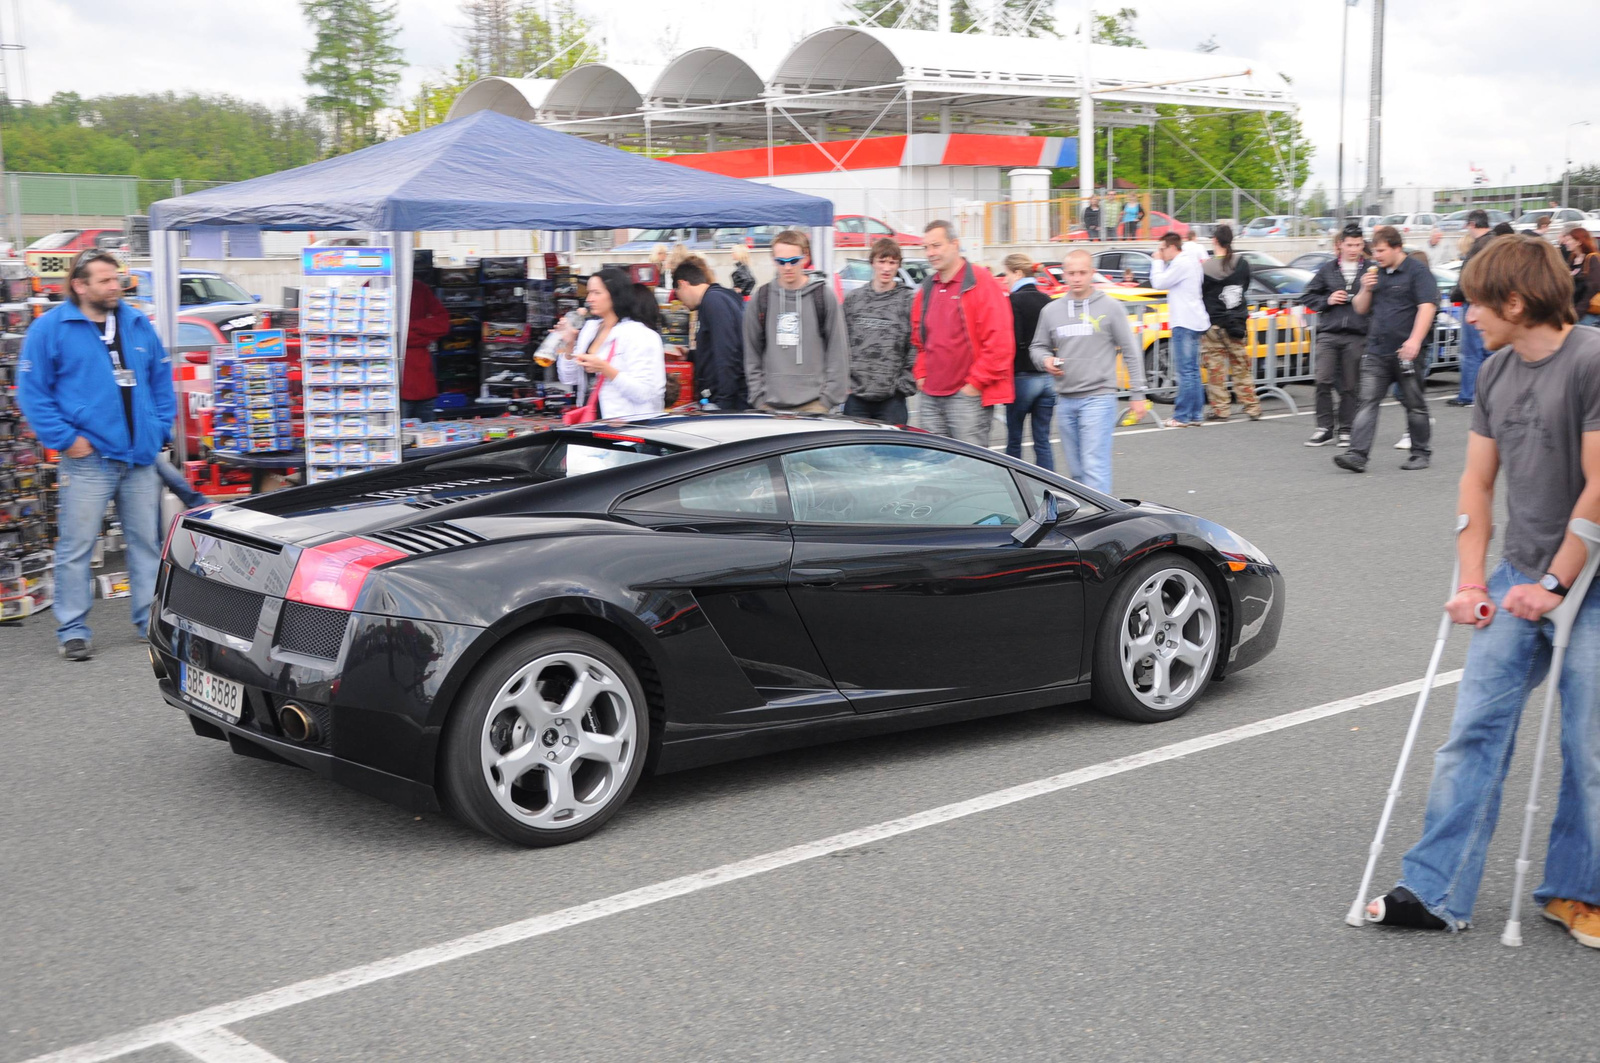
[429, 321]
[961, 328]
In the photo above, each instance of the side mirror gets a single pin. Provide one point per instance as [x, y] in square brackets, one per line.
[255, 298]
[1055, 509]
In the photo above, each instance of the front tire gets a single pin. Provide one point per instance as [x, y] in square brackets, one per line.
[1158, 641]
[1161, 375]
[547, 740]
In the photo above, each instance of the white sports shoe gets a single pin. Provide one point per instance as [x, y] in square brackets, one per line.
[1405, 442]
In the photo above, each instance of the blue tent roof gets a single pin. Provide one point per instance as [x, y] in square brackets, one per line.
[489, 171]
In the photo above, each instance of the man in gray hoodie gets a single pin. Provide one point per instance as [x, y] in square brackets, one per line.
[796, 351]
[1077, 342]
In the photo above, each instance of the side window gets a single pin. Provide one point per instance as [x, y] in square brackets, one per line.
[1035, 489]
[899, 485]
[192, 335]
[746, 492]
[877, 228]
[849, 225]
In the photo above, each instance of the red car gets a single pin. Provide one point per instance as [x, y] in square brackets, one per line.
[1159, 225]
[858, 230]
[50, 257]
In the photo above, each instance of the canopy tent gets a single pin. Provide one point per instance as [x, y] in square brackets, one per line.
[484, 171]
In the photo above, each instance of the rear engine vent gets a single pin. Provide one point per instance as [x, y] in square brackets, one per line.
[431, 502]
[312, 630]
[400, 493]
[426, 538]
[230, 609]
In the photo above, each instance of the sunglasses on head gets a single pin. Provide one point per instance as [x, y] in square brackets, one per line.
[795, 261]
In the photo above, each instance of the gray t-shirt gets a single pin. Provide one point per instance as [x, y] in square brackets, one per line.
[1537, 412]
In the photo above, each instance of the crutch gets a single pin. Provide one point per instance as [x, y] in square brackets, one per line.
[1562, 616]
[1355, 916]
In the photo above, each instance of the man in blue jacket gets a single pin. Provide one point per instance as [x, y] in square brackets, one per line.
[95, 383]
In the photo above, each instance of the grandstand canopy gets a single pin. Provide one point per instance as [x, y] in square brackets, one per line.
[845, 80]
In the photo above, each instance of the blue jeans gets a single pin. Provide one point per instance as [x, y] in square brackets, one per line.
[1505, 661]
[1589, 319]
[87, 485]
[1472, 355]
[1036, 398]
[891, 410]
[173, 481]
[1087, 425]
[1191, 402]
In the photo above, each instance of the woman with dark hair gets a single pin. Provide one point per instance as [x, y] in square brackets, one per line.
[1225, 280]
[1584, 260]
[623, 353]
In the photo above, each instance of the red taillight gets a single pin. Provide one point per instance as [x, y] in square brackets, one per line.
[331, 576]
[613, 435]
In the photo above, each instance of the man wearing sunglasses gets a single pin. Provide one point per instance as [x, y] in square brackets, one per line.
[95, 383]
[796, 351]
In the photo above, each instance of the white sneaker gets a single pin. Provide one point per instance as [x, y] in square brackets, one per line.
[1344, 439]
[1405, 442]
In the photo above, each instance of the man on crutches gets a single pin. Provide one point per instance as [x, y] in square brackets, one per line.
[1538, 418]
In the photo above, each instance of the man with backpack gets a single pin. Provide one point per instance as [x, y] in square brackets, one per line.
[796, 352]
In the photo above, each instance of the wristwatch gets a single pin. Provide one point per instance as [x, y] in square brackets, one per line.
[1550, 583]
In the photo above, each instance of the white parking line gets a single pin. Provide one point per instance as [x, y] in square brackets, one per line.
[223, 1046]
[187, 1030]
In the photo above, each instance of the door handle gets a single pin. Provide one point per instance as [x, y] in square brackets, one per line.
[817, 577]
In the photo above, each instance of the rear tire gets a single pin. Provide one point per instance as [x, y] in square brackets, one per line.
[1158, 641]
[1161, 376]
[547, 740]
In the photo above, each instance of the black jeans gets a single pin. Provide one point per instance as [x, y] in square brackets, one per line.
[891, 410]
[1338, 370]
[1378, 373]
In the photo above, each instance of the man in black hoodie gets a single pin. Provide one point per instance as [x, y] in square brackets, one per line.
[1341, 337]
[719, 341]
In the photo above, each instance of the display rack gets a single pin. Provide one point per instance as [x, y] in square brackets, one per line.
[349, 360]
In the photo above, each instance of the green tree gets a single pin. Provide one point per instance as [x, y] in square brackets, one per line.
[159, 135]
[1025, 17]
[1116, 28]
[353, 66]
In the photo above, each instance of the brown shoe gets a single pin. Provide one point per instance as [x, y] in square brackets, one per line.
[1255, 414]
[1581, 920]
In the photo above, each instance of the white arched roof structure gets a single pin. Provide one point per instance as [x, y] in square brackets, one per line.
[596, 89]
[708, 75]
[517, 97]
[844, 81]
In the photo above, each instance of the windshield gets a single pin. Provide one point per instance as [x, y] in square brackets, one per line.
[60, 239]
[197, 291]
[1262, 223]
[1394, 219]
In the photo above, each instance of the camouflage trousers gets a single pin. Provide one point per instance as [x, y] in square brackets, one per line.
[1224, 358]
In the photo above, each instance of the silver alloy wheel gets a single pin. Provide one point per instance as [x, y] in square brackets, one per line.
[558, 740]
[1169, 638]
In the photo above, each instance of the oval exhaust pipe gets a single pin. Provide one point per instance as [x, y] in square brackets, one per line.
[298, 724]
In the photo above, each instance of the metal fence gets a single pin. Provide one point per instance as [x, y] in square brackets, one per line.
[39, 203]
[1045, 220]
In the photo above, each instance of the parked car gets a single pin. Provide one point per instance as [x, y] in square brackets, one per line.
[1323, 224]
[1271, 225]
[1280, 283]
[1414, 225]
[1160, 224]
[700, 239]
[1311, 260]
[1368, 222]
[1457, 222]
[749, 235]
[50, 257]
[1560, 218]
[1112, 263]
[857, 272]
[196, 288]
[1260, 259]
[838, 579]
[858, 230]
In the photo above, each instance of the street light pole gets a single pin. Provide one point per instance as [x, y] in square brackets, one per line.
[1344, 48]
[1375, 115]
[1566, 175]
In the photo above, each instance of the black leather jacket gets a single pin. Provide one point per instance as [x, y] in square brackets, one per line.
[1342, 318]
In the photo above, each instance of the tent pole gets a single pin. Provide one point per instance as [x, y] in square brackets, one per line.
[164, 278]
[400, 245]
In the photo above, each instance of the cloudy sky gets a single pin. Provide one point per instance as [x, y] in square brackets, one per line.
[1463, 85]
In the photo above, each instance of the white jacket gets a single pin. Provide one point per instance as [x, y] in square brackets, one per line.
[640, 386]
[1181, 279]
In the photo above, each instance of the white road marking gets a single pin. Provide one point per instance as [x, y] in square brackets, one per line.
[187, 1028]
[223, 1046]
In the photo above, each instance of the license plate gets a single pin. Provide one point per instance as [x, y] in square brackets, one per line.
[221, 696]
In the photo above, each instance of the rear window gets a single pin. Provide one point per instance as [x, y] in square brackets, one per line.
[61, 239]
[551, 456]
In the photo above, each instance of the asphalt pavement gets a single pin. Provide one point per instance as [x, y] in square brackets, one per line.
[1182, 909]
